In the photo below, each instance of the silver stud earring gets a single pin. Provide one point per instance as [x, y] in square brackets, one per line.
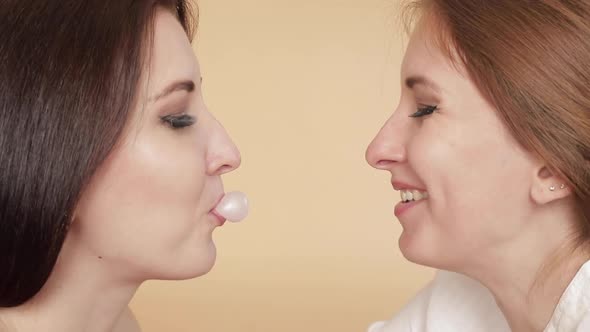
[552, 188]
[562, 186]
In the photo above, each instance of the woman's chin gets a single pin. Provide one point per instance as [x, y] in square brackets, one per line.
[415, 251]
[190, 266]
[424, 251]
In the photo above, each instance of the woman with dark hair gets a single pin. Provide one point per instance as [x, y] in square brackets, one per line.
[110, 162]
[490, 151]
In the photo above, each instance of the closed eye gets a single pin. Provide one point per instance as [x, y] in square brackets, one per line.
[423, 111]
[179, 121]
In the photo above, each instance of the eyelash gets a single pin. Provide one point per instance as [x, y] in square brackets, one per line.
[179, 121]
[423, 111]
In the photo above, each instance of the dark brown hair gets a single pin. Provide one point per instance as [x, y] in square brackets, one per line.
[531, 60]
[69, 73]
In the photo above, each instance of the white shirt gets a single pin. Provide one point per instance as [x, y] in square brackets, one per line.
[453, 302]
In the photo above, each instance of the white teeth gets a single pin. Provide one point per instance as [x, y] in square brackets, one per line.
[413, 195]
[417, 195]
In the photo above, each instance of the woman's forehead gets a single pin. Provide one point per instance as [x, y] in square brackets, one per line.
[172, 57]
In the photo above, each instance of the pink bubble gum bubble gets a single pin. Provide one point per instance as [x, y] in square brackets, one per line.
[233, 206]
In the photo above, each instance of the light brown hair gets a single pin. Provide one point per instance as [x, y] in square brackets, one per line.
[531, 60]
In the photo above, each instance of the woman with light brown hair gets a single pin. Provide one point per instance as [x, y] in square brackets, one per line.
[490, 150]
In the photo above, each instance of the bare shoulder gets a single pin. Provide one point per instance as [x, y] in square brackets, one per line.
[127, 322]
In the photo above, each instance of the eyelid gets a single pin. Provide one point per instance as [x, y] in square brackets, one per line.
[424, 110]
[178, 121]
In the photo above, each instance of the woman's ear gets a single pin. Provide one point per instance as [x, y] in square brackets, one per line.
[547, 186]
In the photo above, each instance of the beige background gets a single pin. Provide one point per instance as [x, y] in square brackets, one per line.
[302, 87]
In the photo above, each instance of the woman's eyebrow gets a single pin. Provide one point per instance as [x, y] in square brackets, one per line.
[421, 80]
[186, 85]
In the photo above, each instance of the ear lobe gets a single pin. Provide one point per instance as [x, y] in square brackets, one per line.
[548, 187]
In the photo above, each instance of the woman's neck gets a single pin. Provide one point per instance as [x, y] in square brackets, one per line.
[80, 295]
[529, 276]
[529, 303]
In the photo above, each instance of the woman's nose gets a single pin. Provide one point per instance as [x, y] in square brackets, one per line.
[387, 148]
[222, 154]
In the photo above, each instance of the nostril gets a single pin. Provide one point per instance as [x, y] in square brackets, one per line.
[384, 163]
[225, 169]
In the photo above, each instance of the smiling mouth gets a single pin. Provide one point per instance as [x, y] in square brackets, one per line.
[408, 196]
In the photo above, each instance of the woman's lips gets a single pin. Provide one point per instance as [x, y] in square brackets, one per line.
[214, 214]
[218, 218]
[399, 185]
[401, 207]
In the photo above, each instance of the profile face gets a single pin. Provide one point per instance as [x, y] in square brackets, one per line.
[147, 211]
[469, 178]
